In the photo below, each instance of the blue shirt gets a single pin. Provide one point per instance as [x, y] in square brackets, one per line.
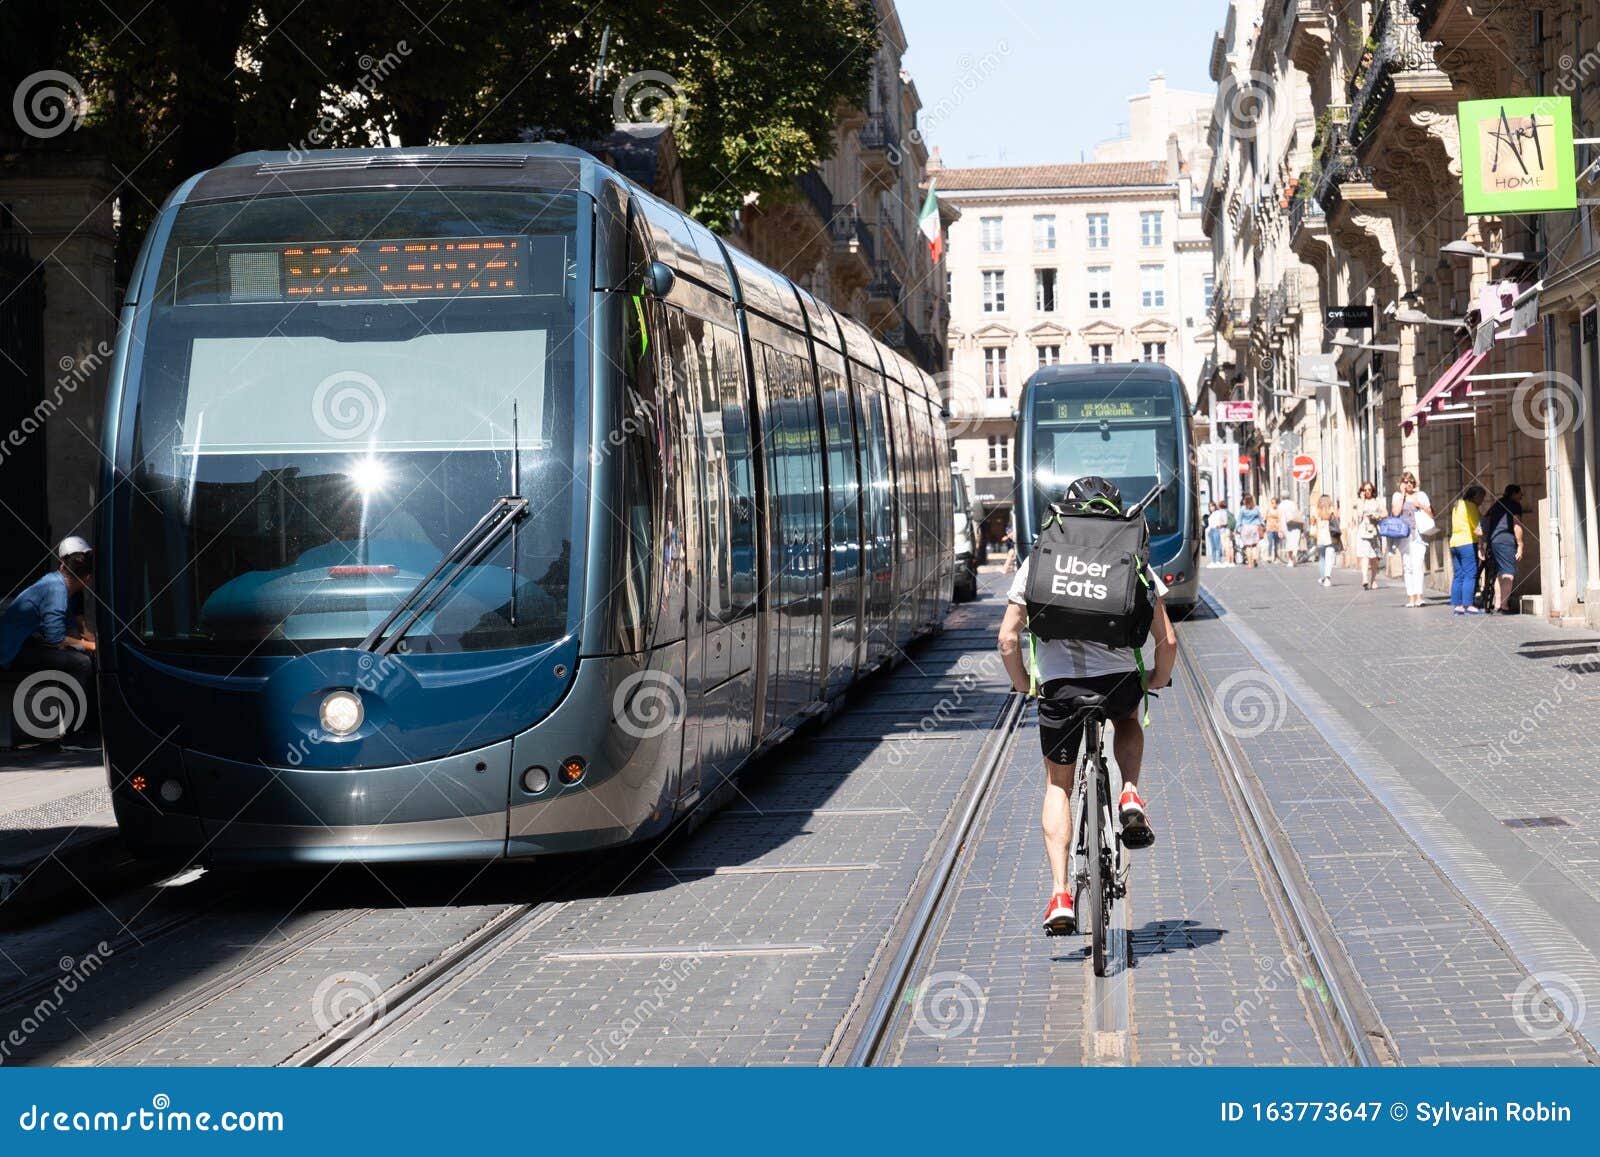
[40, 611]
[1251, 515]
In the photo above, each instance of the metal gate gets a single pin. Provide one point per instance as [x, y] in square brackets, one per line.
[23, 520]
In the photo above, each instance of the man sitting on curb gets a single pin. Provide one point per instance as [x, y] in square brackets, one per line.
[44, 630]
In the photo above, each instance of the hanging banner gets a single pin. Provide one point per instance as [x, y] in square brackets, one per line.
[1516, 155]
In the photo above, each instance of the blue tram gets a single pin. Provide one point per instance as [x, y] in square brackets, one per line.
[1127, 422]
[472, 502]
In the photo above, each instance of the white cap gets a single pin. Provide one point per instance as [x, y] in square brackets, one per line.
[72, 545]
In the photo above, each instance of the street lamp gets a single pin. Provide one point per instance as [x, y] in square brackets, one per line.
[1468, 249]
[1417, 317]
[1345, 341]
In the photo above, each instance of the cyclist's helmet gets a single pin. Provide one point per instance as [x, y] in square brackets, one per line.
[1092, 486]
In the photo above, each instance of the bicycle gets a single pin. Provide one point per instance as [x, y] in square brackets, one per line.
[1097, 868]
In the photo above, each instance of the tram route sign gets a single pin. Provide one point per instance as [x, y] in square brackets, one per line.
[1517, 155]
[1348, 317]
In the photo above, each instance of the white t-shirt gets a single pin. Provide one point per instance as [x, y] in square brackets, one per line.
[1288, 512]
[1418, 498]
[1074, 659]
[1218, 519]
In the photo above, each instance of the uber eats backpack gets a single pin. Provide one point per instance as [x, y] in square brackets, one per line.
[1088, 576]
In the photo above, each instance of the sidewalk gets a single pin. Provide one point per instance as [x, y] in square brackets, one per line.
[57, 833]
[1475, 733]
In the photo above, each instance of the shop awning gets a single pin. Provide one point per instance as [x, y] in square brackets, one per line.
[1449, 382]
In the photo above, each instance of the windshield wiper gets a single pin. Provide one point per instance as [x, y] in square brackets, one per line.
[506, 512]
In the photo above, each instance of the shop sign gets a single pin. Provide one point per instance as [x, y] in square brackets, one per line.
[1517, 155]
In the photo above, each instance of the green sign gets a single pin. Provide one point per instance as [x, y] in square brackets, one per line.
[1114, 408]
[1516, 155]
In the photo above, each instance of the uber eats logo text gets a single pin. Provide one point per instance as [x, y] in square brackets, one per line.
[1072, 578]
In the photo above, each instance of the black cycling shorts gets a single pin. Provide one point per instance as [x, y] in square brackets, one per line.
[1060, 726]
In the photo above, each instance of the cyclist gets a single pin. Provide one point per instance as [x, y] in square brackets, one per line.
[1068, 669]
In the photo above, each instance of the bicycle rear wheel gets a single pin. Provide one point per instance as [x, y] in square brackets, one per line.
[1099, 896]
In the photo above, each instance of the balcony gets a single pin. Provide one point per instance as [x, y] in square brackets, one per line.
[1426, 12]
[1336, 164]
[1401, 60]
[853, 256]
[879, 139]
[1310, 32]
[1306, 218]
[883, 296]
[817, 194]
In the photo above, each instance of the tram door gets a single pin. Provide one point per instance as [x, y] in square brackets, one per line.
[691, 375]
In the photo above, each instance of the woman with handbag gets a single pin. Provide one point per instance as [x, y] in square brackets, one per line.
[1411, 505]
[1466, 548]
[1368, 513]
[1327, 529]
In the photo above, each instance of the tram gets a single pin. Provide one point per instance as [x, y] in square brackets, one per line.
[466, 503]
[1127, 422]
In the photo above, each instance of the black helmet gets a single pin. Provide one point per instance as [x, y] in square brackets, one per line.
[1092, 486]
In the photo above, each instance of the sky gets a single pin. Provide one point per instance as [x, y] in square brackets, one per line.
[1021, 82]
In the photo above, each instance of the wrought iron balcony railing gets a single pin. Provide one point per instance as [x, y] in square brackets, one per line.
[1398, 47]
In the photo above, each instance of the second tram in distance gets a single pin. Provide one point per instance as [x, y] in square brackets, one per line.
[1127, 422]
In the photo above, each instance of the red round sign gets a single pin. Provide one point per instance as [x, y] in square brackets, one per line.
[1244, 463]
[1305, 468]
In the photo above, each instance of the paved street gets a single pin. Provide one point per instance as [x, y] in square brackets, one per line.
[762, 937]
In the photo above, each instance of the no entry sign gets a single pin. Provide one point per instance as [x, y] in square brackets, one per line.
[1305, 468]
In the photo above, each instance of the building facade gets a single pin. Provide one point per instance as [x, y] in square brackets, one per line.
[1336, 184]
[848, 233]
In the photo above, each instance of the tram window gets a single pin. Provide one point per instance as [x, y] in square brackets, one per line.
[740, 470]
[307, 444]
[714, 476]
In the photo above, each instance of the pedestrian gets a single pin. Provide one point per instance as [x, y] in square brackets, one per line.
[44, 629]
[1502, 538]
[1367, 514]
[1274, 530]
[1412, 505]
[1217, 532]
[1466, 548]
[1010, 543]
[1252, 526]
[1294, 525]
[1327, 531]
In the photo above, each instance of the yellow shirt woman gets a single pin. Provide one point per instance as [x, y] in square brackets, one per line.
[1464, 523]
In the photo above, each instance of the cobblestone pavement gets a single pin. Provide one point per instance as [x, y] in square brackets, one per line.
[1393, 747]
[1213, 981]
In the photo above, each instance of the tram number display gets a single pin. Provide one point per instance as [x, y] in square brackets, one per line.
[374, 269]
[1111, 408]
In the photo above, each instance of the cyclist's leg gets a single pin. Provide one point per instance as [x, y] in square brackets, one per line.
[1128, 746]
[1057, 821]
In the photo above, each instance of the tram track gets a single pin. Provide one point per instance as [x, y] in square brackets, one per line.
[915, 945]
[1341, 1013]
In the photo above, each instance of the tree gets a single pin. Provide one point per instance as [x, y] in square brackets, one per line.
[177, 87]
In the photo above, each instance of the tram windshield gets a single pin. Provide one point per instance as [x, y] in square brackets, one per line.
[1124, 429]
[332, 390]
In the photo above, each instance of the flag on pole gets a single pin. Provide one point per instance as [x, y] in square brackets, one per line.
[928, 222]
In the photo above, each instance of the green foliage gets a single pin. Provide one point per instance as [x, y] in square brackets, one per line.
[179, 86]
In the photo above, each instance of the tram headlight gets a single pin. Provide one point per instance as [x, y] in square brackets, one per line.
[341, 712]
[535, 779]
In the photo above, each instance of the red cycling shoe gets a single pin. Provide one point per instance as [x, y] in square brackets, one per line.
[1059, 918]
[1136, 830]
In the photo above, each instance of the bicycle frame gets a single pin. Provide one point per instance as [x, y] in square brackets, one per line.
[1095, 886]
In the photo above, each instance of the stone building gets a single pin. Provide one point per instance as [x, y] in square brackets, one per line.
[1336, 182]
[1093, 262]
[849, 232]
